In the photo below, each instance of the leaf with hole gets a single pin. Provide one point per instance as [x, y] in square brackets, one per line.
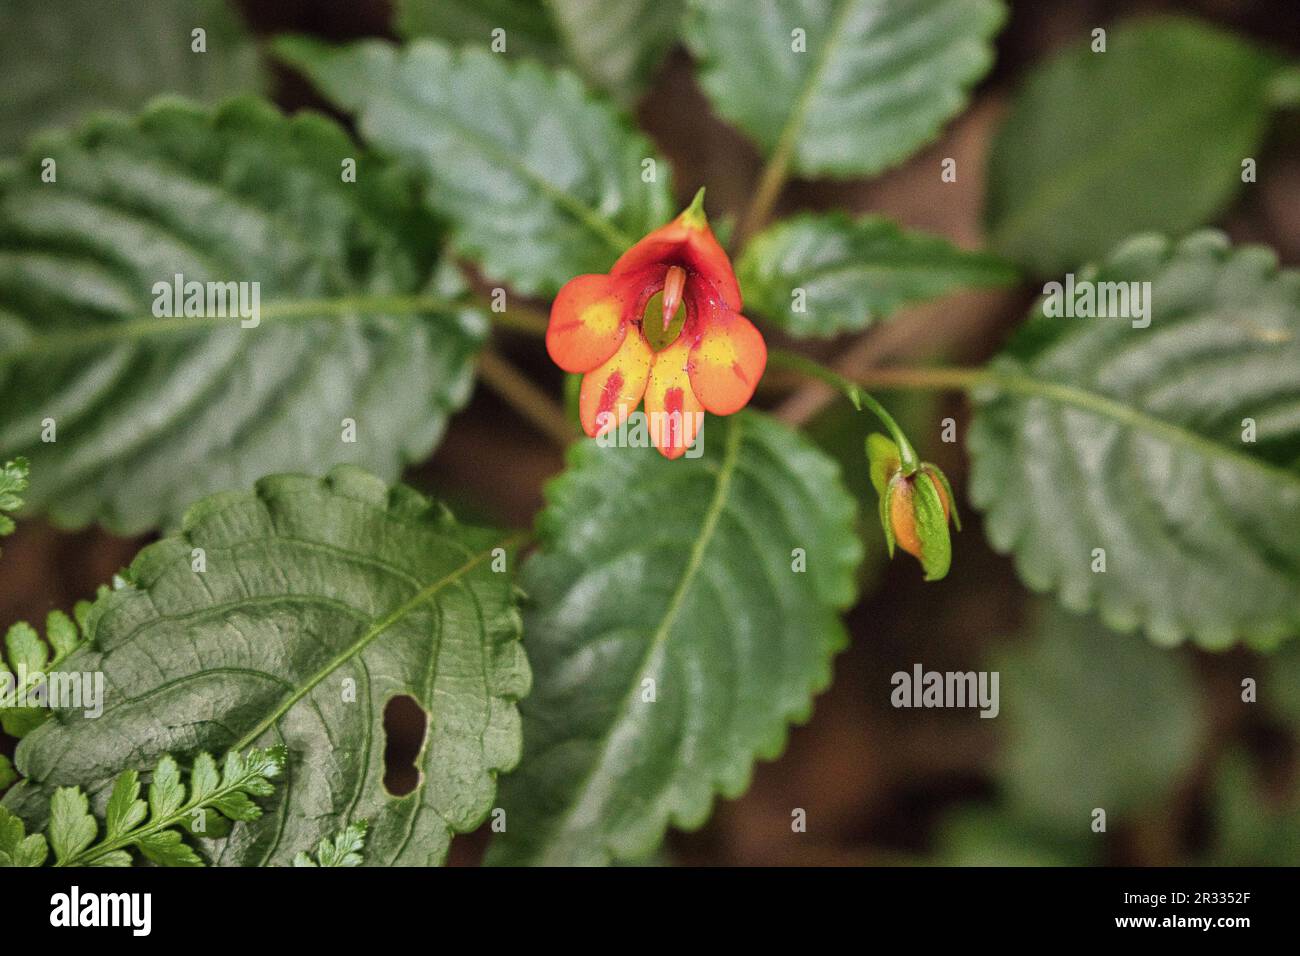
[540, 180]
[841, 87]
[322, 599]
[1149, 135]
[305, 303]
[681, 615]
[825, 274]
[1153, 472]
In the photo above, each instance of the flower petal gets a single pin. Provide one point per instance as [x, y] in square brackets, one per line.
[674, 413]
[587, 324]
[686, 242]
[611, 392]
[726, 363]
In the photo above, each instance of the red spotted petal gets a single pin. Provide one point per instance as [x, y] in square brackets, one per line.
[726, 362]
[674, 413]
[587, 323]
[611, 392]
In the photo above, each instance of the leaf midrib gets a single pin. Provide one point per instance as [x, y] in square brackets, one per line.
[787, 140]
[960, 267]
[376, 629]
[589, 217]
[731, 455]
[1105, 407]
[610, 234]
[277, 311]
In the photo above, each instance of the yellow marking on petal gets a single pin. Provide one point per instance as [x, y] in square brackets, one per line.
[601, 317]
[727, 363]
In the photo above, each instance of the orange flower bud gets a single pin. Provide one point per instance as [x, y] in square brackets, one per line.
[914, 509]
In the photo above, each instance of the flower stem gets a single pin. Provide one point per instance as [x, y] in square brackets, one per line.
[934, 379]
[781, 358]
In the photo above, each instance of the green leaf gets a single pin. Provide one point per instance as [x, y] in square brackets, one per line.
[1280, 687]
[24, 649]
[168, 849]
[322, 600]
[822, 274]
[72, 828]
[528, 25]
[876, 81]
[13, 483]
[125, 808]
[16, 847]
[931, 528]
[675, 580]
[1098, 434]
[166, 792]
[615, 46]
[541, 181]
[152, 411]
[1251, 828]
[981, 836]
[65, 60]
[344, 850]
[1093, 719]
[61, 632]
[1149, 135]
[204, 776]
[7, 773]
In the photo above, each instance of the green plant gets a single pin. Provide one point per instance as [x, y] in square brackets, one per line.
[214, 800]
[627, 660]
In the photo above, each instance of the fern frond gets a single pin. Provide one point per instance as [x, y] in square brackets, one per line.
[13, 482]
[344, 850]
[213, 800]
[25, 653]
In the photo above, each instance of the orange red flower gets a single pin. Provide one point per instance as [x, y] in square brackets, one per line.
[712, 363]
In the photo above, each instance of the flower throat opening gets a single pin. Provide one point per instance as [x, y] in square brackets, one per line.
[652, 323]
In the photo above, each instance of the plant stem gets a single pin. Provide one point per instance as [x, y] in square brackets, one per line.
[772, 179]
[523, 318]
[770, 183]
[88, 856]
[1014, 383]
[780, 358]
[524, 397]
[930, 379]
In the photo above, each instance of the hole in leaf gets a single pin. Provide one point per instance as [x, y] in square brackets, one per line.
[405, 724]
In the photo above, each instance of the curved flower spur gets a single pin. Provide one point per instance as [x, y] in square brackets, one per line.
[665, 324]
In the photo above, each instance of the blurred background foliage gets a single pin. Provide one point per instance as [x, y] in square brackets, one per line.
[1186, 771]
